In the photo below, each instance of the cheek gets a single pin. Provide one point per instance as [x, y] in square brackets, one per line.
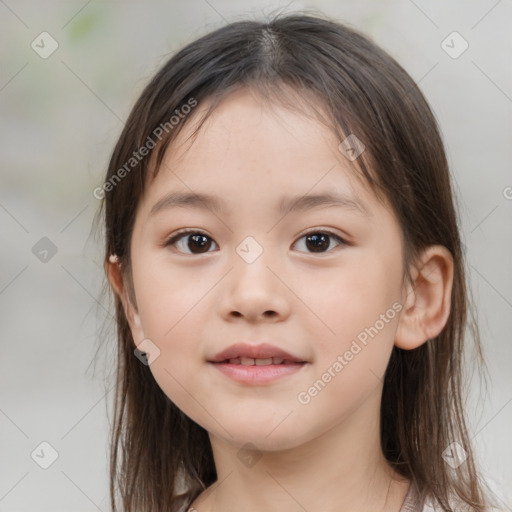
[355, 338]
[170, 323]
[347, 300]
[350, 361]
[173, 306]
[168, 296]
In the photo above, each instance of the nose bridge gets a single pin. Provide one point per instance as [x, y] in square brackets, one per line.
[254, 290]
[250, 265]
[250, 250]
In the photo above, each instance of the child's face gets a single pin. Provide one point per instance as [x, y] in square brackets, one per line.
[197, 299]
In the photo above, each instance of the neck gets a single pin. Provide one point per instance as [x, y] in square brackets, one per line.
[343, 469]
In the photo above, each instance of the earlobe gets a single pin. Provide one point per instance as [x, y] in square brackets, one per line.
[133, 318]
[427, 300]
[115, 278]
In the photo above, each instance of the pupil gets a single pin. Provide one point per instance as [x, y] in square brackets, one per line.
[319, 241]
[200, 240]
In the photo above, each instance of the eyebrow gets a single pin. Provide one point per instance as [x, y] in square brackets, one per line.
[286, 204]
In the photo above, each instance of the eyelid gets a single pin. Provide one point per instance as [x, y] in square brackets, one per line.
[178, 235]
[341, 240]
[327, 231]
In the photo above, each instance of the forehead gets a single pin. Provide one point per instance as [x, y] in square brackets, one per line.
[245, 116]
[245, 133]
[260, 158]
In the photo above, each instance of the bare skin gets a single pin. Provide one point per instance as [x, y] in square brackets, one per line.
[321, 453]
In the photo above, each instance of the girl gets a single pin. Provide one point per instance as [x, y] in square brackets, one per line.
[290, 289]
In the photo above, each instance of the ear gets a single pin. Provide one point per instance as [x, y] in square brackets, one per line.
[427, 300]
[116, 280]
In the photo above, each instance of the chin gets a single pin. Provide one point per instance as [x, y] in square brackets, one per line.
[265, 434]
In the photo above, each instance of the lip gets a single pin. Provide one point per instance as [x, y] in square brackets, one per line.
[256, 374]
[261, 351]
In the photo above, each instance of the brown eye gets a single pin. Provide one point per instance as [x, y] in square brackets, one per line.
[191, 242]
[320, 241]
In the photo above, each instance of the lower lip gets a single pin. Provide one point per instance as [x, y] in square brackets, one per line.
[255, 374]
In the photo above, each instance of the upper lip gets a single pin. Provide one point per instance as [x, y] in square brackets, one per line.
[261, 351]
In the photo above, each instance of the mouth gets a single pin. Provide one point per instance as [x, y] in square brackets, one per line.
[255, 355]
[256, 365]
[267, 361]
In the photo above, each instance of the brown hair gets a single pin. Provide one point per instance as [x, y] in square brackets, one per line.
[160, 458]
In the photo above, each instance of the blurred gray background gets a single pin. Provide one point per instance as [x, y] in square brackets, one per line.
[62, 112]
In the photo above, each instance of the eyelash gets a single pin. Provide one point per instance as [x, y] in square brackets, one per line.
[182, 234]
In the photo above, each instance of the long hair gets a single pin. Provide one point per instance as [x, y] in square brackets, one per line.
[160, 459]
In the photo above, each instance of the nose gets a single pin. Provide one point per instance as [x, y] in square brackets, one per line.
[255, 291]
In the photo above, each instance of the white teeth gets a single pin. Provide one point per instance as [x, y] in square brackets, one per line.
[250, 361]
[263, 362]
